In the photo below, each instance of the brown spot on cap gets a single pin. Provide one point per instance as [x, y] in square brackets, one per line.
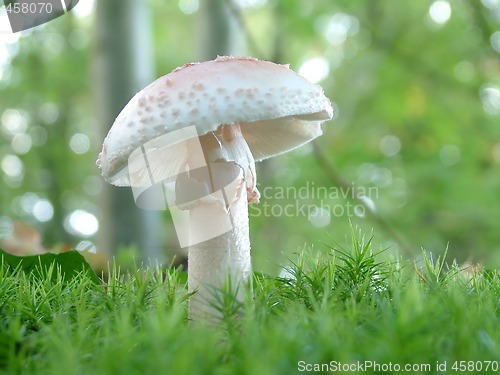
[164, 101]
[256, 91]
[198, 86]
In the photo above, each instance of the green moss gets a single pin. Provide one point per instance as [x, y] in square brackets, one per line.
[339, 307]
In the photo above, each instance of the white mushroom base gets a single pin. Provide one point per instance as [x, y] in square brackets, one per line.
[220, 268]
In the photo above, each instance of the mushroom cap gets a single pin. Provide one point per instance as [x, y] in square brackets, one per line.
[277, 109]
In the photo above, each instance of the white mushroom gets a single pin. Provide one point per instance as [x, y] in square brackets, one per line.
[241, 110]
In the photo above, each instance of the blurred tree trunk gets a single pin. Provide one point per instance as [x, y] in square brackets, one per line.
[219, 31]
[123, 65]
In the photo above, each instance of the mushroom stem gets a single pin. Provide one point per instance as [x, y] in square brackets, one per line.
[219, 265]
[222, 263]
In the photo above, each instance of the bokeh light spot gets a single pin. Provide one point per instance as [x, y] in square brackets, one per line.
[360, 210]
[14, 121]
[79, 143]
[449, 155]
[315, 69]
[390, 145]
[495, 41]
[339, 27]
[84, 8]
[250, 3]
[490, 95]
[464, 71]
[319, 217]
[21, 143]
[92, 185]
[382, 177]
[81, 223]
[440, 12]
[12, 166]
[189, 6]
[43, 210]
[38, 135]
[49, 113]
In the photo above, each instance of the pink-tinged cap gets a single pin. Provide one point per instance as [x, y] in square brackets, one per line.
[277, 109]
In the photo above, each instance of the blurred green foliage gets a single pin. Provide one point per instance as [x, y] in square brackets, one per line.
[417, 94]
